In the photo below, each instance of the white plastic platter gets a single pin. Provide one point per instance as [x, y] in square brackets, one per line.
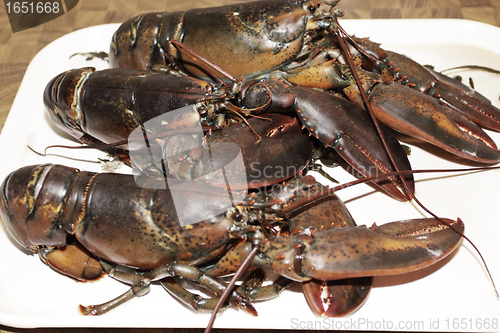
[456, 295]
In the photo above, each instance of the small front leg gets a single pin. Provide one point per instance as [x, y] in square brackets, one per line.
[141, 282]
[191, 300]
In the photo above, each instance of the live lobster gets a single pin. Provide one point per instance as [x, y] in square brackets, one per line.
[296, 40]
[75, 101]
[44, 205]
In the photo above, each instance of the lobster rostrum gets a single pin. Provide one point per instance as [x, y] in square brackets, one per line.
[76, 101]
[48, 207]
[298, 39]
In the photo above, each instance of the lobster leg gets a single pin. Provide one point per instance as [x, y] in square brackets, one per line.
[141, 283]
[252, 289]
[140, 287]
[194, 301]
[256, 292]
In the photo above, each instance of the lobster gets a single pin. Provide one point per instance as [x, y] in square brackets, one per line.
[76, 100]
[296, 40]
[46, 208]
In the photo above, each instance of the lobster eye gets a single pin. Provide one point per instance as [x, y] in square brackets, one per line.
[310, 7]
[237, 216]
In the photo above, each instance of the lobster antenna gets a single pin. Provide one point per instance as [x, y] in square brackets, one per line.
[473, 67]
[364, 97]
[44, 154]
[330, 190]
[102, 145]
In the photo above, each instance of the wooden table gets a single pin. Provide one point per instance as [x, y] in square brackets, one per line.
[18, 49]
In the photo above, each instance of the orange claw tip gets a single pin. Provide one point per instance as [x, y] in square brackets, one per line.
[248, 307]
[337, 298]
[88, 310]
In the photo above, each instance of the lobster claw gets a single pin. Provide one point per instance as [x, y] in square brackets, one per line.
[348, 129]
[446, 90]
[393, 248]
[426, 105]
[337, 298]
[421, 116]
[330, 298]
[341, 125]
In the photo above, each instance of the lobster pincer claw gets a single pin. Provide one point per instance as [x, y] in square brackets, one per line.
[393, 248]
[337, 298]
[421, 116]
[348, 129]
[341, 125]
[330, 298]
[446, 90]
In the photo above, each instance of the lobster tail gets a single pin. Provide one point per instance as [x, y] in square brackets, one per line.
[61, 98]
[36, 217]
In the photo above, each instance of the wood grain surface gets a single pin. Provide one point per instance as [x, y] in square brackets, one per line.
[18, 49]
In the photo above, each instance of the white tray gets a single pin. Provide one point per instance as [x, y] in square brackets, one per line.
[455, 295]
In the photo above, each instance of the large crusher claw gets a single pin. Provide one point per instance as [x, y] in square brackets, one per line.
[393, 248]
